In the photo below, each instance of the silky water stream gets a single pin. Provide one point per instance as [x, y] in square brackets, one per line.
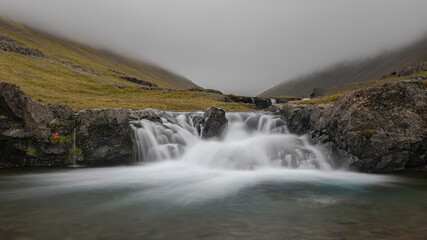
[256, 181]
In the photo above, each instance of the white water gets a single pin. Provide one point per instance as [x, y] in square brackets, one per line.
[251, 141]
[273, 101]
[74, 160]
[179, 167]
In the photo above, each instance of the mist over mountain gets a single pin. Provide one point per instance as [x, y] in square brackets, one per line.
[240, 46]
[349, 74]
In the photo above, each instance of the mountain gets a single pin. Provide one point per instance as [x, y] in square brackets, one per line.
[51, 69]
[353, 74]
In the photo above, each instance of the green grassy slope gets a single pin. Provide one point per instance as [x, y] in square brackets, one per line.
[352, 75]
[54, 70]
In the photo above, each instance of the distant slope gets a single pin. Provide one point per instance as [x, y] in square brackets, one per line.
[63, 60]
[348, 75]
[50, 69]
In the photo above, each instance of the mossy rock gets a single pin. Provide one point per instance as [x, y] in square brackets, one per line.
[368, 133]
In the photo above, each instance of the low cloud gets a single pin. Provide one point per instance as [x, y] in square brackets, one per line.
[237, 46]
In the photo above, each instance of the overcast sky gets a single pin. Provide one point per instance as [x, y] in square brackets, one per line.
[236, 46]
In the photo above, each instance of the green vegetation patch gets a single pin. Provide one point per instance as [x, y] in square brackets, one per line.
[368, 133]
[31, 150]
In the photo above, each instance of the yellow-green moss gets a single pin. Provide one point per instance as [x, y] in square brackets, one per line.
[368, 133]
[79, 151]
[31, 150]
[60, 139]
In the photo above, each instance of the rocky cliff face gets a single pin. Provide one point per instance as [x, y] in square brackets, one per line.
[380, 129]
[32, 134]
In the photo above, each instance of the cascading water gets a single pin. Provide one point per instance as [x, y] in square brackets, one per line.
[251, 141]
[273, 101]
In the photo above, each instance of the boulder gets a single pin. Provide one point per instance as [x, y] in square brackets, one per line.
[214, 122]
[36, 135]
[383, 127]
[262, 103]
[32, 134]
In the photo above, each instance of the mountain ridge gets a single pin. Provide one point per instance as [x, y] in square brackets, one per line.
[352, 74]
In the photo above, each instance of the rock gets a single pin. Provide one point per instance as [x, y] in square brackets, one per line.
[140, 82]
[10, 45]
[149, 114]
[262, 103]
[405, 71]
[241, 99]
[26, 129]
[383, 128]
[286, 99]
[200, 89]
[36, 135]
[214, 122]
[409, 70]
[104, 136]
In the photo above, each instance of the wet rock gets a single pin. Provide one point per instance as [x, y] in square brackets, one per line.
[104, 136]
[384, 127]
[149, 114]
[241, 99]
[262, 103]
[214, 122]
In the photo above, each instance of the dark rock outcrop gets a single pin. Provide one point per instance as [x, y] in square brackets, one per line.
[214, 122]
[36, 135]
[411, 69]
[286, 99]
[242, 99]
[200, 89]
[383, 127]
[104, 136]
[260, 102]
[10, 45]
[32, 134]
[140, 82]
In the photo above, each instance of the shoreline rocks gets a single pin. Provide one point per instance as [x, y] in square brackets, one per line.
[381, 129]
[378, 129]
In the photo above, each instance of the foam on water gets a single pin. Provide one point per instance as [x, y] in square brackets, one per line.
[178, 166]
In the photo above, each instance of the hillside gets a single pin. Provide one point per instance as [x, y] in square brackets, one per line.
[55, 70]
[354, 74]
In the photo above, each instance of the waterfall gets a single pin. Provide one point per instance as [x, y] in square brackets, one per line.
[253, 100]
[74, 157]
[273, 101]
[251, 141]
